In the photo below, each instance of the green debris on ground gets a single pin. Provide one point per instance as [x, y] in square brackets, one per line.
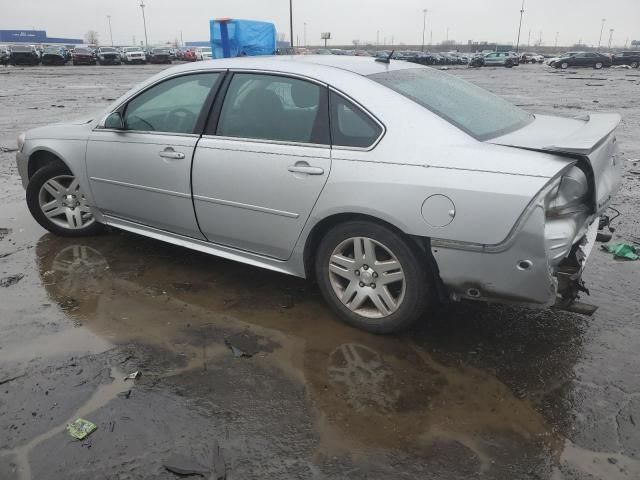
[81, 428]
[622, 250]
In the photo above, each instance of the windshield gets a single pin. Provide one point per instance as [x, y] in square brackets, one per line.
[132, 49]
[51, 50]
[20, 48]
[474, 110]
[107, 50]
[160, 50]
[81, 50]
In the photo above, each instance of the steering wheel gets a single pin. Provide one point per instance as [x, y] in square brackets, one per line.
[137, 118]
[183, 118]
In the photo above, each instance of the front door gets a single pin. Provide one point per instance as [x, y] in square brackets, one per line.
[142, 172]
[257, 176]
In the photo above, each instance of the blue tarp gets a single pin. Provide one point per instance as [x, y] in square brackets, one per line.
[237, 38]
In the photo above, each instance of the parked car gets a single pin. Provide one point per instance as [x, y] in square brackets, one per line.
[627, 58]
[108, 56]
[323, 51]
[159, 55]
[499, 59]
[584, 59]
[319, 167]
[189, 55]
[203, 53]
[83, 56]
[54, 56]
[23, 55]
[553, 60]
[4, 55]
[477, 60]
[529, 57]
[133, 55]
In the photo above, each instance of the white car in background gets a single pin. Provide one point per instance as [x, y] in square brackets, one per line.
[203, 53]
[133, 55]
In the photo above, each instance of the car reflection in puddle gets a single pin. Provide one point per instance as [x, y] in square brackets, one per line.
[367, 392]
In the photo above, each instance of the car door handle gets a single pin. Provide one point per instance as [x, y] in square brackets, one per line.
[170, 153]
[304, 167]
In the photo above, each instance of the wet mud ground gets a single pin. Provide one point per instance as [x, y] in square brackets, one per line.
[475, 391]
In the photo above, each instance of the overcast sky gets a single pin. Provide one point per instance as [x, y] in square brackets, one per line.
[492, 20]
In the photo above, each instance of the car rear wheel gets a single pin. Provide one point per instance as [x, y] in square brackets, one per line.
[564, 65]
[372, 277]
[597, 65]
[56, 201]
[634, 65]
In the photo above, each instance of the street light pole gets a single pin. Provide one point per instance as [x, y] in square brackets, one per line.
[424, 26]
[610, 37]
[520, 27]
[305, 34]
[144, 22]
[110, 31]
[601, 29]
[291, 21]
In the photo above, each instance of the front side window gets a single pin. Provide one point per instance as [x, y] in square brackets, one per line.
[350, 126]
[472, 109]
[272, 107]
[172, 106]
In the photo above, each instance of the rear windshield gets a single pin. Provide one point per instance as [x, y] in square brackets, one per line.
[474, 110]
[160, 50]
[20, 48]
[81, 50]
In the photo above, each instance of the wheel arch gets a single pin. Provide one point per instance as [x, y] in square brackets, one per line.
[41, 157]
[421, 245]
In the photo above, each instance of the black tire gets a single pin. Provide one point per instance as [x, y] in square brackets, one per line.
[36, 182]
[598, 65]
[634, 64]
[417, 277]
[564, 65]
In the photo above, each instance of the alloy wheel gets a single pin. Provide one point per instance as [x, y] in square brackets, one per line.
[367, 277]
[64, 204]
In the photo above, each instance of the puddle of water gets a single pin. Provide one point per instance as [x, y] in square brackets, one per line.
[368, 391]
[101, 397]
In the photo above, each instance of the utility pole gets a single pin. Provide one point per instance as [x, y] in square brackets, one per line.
[144, 22]
[557, 33]
[520, 27]
[610, 37]
[305, 34]
[540, 39]
[529, 40]
[424, 26]
[377, 40]
[110, 31]
[447, 37]
[291, 21]
[181, 41]
[601, 29]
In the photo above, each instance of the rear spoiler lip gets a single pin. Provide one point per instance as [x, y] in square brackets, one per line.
[597, 129]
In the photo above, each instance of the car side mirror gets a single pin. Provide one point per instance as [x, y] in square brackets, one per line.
[114, 121]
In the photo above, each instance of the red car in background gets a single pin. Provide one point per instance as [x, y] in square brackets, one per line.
[189, 55]
[83, 56]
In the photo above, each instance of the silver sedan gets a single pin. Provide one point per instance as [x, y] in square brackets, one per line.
[394, 185]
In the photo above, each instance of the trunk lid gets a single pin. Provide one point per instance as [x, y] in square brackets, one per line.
[590, 138]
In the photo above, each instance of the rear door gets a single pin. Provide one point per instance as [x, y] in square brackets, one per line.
[259, 170]
[142, 173]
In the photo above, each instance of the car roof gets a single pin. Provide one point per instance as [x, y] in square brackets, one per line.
[301, 63]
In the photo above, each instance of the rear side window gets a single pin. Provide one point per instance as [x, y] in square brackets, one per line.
[350, 126]
[274, 107]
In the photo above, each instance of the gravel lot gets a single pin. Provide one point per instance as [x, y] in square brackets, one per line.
[478, 391]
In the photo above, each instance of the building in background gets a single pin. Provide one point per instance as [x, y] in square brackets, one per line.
[34, 37]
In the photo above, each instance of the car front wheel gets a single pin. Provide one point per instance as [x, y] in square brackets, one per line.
[634, 65]
[564, 65]
[597, 65]
[57, 203]
[372, 277]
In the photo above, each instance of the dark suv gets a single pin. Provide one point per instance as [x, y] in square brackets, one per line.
[627, 58]
[584, 59]
[108, 56]
[24, 55]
